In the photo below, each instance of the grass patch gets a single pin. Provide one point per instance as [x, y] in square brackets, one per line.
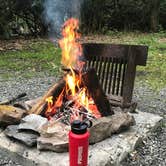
[154, 73]
[37, 56]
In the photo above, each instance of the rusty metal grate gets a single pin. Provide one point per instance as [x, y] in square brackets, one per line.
[115, 66]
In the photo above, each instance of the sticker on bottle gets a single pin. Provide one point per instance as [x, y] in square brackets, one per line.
[80, 152]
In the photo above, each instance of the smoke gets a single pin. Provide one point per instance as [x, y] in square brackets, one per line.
[56, 12]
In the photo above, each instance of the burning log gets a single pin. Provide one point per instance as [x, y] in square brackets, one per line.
[90, 80]
[54, 91]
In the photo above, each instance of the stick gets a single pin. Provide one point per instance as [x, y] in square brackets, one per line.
[13, 99]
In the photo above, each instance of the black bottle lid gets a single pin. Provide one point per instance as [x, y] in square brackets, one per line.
[78, 127]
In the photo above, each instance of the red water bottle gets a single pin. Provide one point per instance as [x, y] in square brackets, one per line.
[78, 143]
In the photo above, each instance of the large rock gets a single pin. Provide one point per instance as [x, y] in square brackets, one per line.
[110, 152]
[10, 115]
[54, 136]
[29, 138]
[55, 144]
[106, 126]
[32, 122]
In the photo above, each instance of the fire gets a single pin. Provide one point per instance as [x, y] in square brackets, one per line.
[71, 49]
[72, 82]
[52, 107]
[71, 53]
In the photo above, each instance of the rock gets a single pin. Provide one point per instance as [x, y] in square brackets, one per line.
[10, 115]
[32, 122]
[104, 127]
[31, 103]
[55, 144]
[53, 128]
[121, 121]
[29, 138]
[99, 130]
[111, 151]
[54, 136]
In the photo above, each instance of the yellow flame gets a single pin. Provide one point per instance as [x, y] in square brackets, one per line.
[49, 100]
[69, 44]
[71, 82]
[83, 98]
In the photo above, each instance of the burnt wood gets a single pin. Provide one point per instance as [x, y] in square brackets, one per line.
[115, 50]
[90, 80]
[10, 115]
[115, 65]
[54, 91]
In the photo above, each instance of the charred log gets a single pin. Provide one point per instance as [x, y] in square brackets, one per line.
[90, 80]
[54, 91]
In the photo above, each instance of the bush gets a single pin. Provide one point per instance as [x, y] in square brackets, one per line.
[21, 17]
[99, 15]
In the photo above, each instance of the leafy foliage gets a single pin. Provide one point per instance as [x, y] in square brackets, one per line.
[103, 15]
[26, 17]
[162, 14]
[21, 17]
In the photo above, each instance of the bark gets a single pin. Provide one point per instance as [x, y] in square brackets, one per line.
[10, 115]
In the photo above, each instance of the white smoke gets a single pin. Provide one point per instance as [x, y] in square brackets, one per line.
[58, 11]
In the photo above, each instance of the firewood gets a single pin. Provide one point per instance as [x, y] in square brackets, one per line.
[54, 91]
[90, 80]
[13, 99]
[10, 115]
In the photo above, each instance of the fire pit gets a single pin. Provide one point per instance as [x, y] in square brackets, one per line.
[79, 94]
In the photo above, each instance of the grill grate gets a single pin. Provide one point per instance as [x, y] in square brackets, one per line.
[115, 66]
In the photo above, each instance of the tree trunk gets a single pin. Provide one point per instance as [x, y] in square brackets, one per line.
[154, 15]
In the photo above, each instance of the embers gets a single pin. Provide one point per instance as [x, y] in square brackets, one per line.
[81, 98]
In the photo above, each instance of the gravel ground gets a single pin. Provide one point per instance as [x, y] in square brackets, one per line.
[153, 151]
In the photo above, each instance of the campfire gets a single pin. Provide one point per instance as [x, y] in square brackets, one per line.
[78, 95]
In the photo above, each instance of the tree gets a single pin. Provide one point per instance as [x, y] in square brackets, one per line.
[154, 14]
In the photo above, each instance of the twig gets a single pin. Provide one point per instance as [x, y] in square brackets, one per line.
[13, 99]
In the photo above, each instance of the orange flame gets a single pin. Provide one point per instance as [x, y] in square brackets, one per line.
[71, 51]
[51, 106]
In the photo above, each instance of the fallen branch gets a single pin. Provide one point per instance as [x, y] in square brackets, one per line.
[13, 99]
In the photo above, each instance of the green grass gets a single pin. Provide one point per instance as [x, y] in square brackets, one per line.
[41, 55]
[154, 73]
[36, 56]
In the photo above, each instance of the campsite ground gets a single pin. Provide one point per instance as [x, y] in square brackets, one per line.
[32, 65]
